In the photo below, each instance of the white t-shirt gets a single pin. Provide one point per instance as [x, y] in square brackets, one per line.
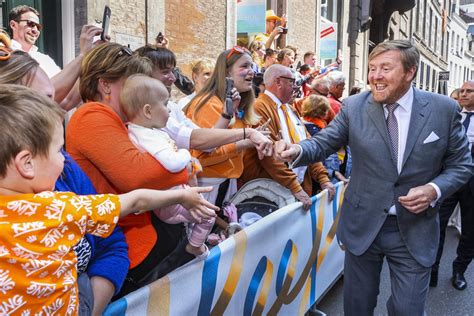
[46, 63]
[160, 145]
[184, 101]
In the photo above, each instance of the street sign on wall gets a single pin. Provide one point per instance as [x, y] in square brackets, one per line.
[443, 75]
[328, 39]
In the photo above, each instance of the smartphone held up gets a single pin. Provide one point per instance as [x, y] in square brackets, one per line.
[104, 36]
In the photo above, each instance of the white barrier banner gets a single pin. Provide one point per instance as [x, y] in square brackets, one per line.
[280, 265]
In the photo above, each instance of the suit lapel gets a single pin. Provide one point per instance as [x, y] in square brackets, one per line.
[375, 112]
[419, 116]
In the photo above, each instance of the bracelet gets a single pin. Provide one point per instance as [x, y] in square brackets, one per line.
[227, 116]
[245, 136]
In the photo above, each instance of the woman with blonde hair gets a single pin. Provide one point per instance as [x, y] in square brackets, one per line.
[315, 109]
[257, 51]
[97, 138]
[201, 72]
[224, 165]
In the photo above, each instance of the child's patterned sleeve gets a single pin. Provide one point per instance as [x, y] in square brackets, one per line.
[102, 212]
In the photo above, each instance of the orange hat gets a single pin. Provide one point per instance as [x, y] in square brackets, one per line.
[270, 15]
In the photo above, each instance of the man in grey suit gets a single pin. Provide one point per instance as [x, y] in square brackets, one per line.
[409, 152]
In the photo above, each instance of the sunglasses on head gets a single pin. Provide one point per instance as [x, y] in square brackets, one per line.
[125, 50]
[32, 24]
[237, 50]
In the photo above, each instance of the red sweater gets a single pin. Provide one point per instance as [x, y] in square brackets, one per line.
[98, 140]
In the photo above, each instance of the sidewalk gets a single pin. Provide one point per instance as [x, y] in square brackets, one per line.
[442, 300]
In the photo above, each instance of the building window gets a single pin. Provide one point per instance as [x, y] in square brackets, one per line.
[424, 19]
[422, 70]
[329, 9]
[430, 30]
[446, 51]
[428, 74]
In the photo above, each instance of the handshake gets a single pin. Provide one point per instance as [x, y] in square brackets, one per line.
[280, 150]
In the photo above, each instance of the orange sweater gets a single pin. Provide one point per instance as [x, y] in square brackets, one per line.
[97, 139]
[225, 161]
[272, 168]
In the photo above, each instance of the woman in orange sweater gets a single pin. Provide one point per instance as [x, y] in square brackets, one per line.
[98, 140]
[224, 165]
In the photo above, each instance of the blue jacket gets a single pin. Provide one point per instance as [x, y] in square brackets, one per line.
[109, 257]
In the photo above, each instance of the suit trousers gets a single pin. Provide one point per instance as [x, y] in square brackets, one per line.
[465, 250]
[409, 279]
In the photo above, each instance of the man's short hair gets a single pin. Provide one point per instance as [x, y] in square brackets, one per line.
[273, 72]
[16, 12]
[336, 77]
[160, 57]
[305, 67]
[139, 90]
[307, 54]
[28, 123]
[410, 56]
[320, 82]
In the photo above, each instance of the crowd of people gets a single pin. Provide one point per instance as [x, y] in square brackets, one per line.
[63, 190]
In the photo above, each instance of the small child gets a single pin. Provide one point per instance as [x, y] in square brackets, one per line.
[38, 227]
[143, 100]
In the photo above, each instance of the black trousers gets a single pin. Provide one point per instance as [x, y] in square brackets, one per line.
[465, 250]
[150, 270]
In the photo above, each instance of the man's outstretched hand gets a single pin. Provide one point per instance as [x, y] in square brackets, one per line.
[285, 151]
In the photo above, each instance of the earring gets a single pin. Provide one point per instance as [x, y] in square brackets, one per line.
[107, 98]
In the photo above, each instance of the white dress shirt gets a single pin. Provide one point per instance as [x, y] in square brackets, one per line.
[179, 127]
[46, 63]
[160, 145]
[299, 127]
[403, 115]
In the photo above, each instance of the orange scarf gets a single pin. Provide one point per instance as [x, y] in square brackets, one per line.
[316, 121]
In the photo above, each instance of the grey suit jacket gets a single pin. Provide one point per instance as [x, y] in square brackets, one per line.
[375, 181]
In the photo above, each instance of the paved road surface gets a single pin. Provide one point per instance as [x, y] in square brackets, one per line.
[442, 300]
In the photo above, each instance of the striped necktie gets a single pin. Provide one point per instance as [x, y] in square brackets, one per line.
[291, 127]
[392, 125]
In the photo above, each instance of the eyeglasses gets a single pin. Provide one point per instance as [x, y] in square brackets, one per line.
[292, 80]
[237, 50]
[32, 24]
[5, 53]
[466, 91]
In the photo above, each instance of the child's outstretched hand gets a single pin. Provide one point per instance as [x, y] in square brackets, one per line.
[197, 206]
